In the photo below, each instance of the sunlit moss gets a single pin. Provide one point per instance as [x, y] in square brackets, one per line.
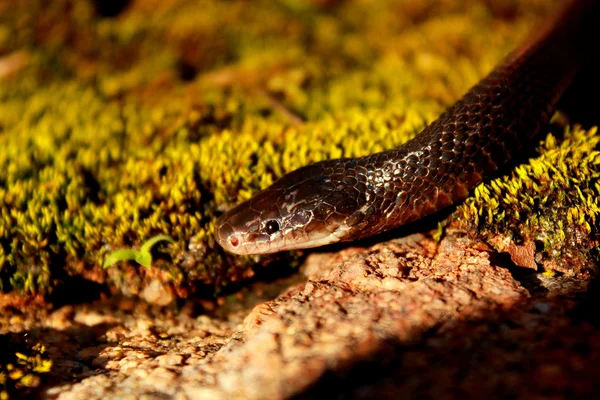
[22, 366]
[156, 121]
[553, 200]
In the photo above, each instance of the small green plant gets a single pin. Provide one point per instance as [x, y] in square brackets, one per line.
[141, 256]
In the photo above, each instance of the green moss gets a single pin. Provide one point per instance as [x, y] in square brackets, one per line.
[158, 120]
[22, 366]
[553, 200]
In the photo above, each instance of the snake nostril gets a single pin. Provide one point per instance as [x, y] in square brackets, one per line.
[234, 241]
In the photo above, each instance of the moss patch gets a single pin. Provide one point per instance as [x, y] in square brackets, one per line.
[156, 120]
[550, 204]
[22, 366]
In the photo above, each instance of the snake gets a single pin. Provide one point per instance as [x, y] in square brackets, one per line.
[347, 199]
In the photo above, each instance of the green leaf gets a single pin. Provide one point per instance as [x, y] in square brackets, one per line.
[120, 255]
[141, 256]
[155, 239]
[144, 258]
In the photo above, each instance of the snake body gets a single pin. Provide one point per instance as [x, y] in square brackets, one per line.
[352, 198]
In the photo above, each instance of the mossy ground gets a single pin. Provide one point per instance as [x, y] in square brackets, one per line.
[550, 203]
[22, 365]
[156, 120]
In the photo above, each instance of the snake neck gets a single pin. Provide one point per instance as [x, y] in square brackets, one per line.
[488, 127]
[348, 199]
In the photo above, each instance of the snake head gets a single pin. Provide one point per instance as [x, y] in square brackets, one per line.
[306, 208]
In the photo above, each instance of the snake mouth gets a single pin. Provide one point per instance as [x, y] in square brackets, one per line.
[241, 243]
[249, 244]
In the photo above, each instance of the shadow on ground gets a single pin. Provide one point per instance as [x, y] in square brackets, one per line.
[549, 348]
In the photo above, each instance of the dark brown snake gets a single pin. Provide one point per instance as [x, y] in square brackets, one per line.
[348, 199]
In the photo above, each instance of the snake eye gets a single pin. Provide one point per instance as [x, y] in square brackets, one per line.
[271, 227]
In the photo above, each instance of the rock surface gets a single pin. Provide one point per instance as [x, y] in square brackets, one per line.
[410, 317]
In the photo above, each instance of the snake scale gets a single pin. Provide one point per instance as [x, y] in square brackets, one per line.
[352, 198]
